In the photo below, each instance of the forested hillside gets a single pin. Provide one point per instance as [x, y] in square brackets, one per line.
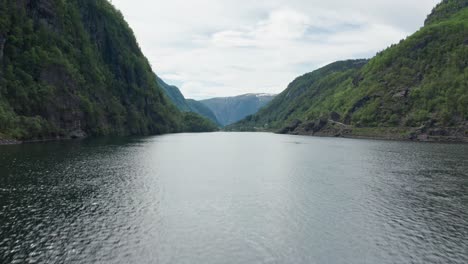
[74, 68]
[203, 110]
[174, 94]
[415, 89]
[186, 105]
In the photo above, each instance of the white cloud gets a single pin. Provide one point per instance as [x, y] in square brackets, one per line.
[219, 48]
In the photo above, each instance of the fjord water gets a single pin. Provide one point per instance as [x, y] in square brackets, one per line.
[234, 198]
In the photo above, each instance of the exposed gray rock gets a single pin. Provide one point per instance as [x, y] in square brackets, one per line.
[77, 134]
[2, 46]
[402, 94]
[357, 80]
[423, 137]
[347, 119]
[319, 127]
[438, 132]
[319, 124]
[43, 9]
[360, 103]
[65, 111]
[9, 142]
[429, 132]
[291, 127]
[335, 116]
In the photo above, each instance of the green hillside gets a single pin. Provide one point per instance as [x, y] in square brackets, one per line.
[419, 86]
[186, 105]
[306, 95]
[174, 94]
[201, 109]
[74, 68]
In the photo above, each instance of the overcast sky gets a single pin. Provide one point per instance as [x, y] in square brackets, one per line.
[211, 48]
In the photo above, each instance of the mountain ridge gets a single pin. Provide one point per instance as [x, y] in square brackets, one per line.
[186, 105]
[416, 89]
[229, 110]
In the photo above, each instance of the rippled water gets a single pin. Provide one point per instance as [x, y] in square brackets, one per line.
[234, 198]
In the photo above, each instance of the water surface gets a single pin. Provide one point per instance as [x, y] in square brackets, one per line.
[233, 198]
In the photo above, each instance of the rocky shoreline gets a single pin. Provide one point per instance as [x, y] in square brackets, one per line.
[73, 135]
[331, 128]
[9, 142]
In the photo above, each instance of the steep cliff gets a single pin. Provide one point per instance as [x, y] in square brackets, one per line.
[74, 68]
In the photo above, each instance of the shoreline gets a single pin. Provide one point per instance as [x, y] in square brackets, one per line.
[424, 133]
[384, 138]
[6, 142]
[404, 134]
[10, 142]
[424, 139]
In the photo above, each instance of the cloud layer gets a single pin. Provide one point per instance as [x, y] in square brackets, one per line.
[213, 48]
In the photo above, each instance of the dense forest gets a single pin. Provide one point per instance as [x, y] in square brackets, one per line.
[419, 85]
[74, 68]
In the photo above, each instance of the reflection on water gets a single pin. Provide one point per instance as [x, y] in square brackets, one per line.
[234, 198]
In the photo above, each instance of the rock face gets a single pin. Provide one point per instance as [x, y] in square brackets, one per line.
[429, 132]
[335, 116]
[43, 9]
[9, 142]
[74, 68]
[65, 112]
[2, 47]
[329, 128]
[324, 126]
[78, 133]
[291, 127]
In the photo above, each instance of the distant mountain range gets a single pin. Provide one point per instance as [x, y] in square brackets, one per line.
[223, 110]
[229, 110]
[416, 89]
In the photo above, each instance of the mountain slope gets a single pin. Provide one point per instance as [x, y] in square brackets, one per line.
[445, 9]
[201, 109]
[306, 94]
[419, 86]
[174, 95]
[186, 105]
[229, 110]
[71, 68]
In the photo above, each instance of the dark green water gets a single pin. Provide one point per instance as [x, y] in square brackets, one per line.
[234, 198]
